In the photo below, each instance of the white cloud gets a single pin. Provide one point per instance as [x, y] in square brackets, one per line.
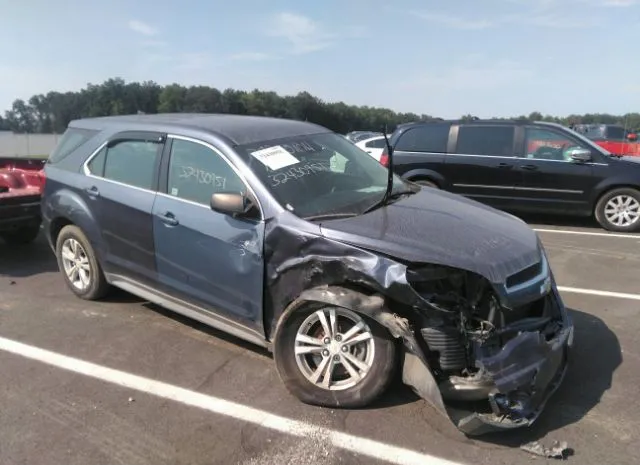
[455, 22]
[251, 56]
[142, 28]
[304, 34]
[622, 3]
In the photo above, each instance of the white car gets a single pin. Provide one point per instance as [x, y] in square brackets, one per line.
[374, 146]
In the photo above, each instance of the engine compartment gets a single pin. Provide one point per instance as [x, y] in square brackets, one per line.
[468, 337]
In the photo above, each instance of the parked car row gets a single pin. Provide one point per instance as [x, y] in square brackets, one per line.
[287, 235]
[521, 166]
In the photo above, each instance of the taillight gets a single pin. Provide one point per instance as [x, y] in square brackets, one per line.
[384, 158]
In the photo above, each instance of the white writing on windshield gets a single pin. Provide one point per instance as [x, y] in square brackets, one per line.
[298, 172]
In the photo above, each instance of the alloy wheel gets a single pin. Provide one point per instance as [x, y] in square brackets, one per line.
[334, 348]
[622, 210]
[76, 264]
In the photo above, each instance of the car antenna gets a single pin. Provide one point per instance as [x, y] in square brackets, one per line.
[387, 193]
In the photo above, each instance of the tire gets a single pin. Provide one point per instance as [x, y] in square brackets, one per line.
[610, 200]
[426, 183]
[21, 236]
[96, 286]
[381, 360]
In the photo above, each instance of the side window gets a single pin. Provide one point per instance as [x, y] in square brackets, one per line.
[543, 144]
[424, 138]
[132, 162]
[96, 165]
[375, 144]
[196, 172]
[486, 140]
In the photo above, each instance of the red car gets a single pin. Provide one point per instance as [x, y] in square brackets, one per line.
[21, 183]
[612, 137]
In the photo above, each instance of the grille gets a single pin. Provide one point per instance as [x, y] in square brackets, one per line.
[524, 275]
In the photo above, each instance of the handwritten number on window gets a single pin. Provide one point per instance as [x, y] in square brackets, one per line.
[202, 177]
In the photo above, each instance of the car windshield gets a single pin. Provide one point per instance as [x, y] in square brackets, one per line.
[319, 175]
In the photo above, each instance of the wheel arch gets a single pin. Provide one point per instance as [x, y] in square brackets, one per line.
[68, 207]
[604, 190]
[427, 174]
[359, 299]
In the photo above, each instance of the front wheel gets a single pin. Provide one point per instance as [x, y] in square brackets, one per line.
[619, 210]
[334, 357]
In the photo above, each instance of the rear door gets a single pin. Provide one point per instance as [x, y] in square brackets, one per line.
[418, 152]
[551, 180]
[482, 163]
[120, 187]
[207, 258]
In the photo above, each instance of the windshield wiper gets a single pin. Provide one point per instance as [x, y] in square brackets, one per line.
[385, 200]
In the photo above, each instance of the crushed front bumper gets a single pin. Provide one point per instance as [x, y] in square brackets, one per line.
[526, 371]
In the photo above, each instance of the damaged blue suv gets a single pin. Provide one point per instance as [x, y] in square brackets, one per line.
[285, 234]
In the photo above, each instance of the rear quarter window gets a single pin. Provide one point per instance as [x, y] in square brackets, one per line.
[424, 138]
[71, 139]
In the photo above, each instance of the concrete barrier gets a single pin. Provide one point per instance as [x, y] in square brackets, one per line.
[27, 145]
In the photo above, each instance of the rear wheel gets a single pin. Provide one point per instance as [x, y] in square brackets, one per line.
[619, 210]
[79, 264]
[334, 357]
[21, 236]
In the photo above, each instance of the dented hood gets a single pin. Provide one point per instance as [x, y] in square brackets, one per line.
[434, 226]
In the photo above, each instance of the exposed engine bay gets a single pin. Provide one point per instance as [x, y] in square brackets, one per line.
[480, 350]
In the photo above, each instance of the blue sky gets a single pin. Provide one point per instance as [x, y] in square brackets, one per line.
[444, 58]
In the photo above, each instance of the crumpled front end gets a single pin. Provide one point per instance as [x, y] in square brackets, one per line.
[486, 354]
[495, 353]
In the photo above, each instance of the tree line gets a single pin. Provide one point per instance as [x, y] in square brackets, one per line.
[52, 112]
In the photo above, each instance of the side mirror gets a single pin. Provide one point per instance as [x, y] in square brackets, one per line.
[230, 203]
[632, 136]
[580, 155]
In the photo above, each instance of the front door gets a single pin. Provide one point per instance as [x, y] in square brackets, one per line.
[483, 163]
[207, 258]
[120, 188]
[552, 181]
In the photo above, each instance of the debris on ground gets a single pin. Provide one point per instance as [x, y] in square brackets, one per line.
[558, 450]
[131, 399]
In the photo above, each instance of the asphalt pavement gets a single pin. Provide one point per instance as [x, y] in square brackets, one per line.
[55, 410]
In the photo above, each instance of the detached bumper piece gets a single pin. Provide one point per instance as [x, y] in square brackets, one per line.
[526, 372]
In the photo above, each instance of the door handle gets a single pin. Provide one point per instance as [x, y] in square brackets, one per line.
[169, 219]
[505, 166]
[529, 167]
[92, 191]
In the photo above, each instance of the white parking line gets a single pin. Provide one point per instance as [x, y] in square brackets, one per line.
[351, 443]
[619, 295]
[588, 233]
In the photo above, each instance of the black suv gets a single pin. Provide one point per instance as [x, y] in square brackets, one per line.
[521, 166]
